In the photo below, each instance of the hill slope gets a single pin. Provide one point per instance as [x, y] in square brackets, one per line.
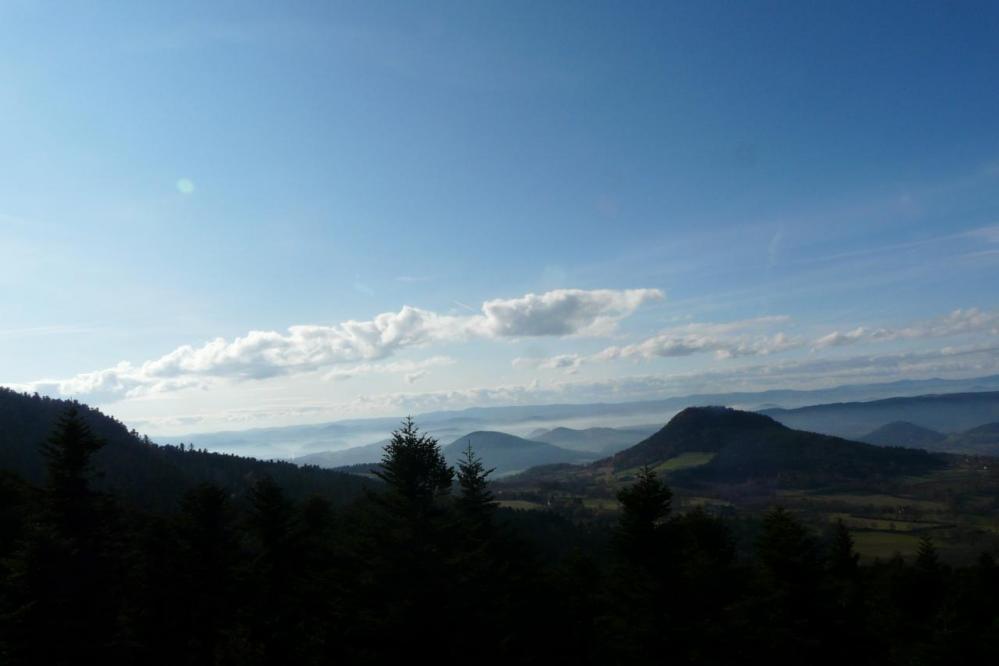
[358, 455]
[747, 445]
[983, 440]
[903, 433]
[135, 468]
[507, 453]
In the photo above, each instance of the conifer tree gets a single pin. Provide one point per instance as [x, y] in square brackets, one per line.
[68, 574]
[208, 553]
[927, 584]
[271, 515]
[275, 614]
[927, 559]
[842, 558]
[644, 505]
[476, 504]
[68, 453]
[415, 471]
[411, 542]
[786, 550]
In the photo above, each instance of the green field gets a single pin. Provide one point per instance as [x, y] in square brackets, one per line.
[885, 544]
[684, 461]
[521, 504]
[676, 463]
[881, 524]
[601, 504]
[878, 501]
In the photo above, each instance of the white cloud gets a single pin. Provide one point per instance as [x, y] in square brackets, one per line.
[411, 370]
[559, 362]
[958, 322]
[735, 339]
[724, 340]
[803, 374]
[560, 312]
[842, 339]
[308, 348]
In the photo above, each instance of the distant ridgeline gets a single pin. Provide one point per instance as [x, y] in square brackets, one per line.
[147, 474]
[946, 413]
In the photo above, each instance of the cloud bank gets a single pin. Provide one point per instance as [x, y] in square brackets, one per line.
[308, 348]
[957, 322]
[739, 339]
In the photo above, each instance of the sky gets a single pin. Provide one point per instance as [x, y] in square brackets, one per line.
[222, 215]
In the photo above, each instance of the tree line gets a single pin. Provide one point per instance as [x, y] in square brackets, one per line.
[425, 565]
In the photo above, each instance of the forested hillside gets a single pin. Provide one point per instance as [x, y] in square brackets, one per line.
[135, 468]
[426, 567]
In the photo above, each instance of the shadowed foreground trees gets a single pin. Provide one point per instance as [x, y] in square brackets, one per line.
[428, 566]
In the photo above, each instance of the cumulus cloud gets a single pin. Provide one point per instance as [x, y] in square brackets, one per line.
[308, 348]
[560, 312]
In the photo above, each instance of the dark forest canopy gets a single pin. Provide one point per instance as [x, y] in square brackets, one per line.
[425, 565]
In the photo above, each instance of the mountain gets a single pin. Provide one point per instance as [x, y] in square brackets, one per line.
[603, 441]
[983, 440]
[738, 446]
[508, 454]
[949, 413]
[903, 433]
[150, 475]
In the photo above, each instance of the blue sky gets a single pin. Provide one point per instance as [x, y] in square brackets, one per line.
[770, 174]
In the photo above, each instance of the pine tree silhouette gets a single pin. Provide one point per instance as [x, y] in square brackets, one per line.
[644, 505]
[843, 561]
[414, 469]
[475, 505]
[69, 580]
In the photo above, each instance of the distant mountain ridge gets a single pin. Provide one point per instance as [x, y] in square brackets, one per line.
[947, 413]
[982, 440]
[292, 441]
